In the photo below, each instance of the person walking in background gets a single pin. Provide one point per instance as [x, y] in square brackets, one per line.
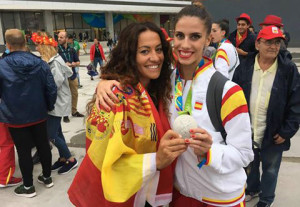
[75, 45]
[226, 58]
[97, 55]
[61, 72]
[84, 45]
[7, 159]
[242, 38]
[110, 43]
[271, 83]
[27, 93]
[70, 57]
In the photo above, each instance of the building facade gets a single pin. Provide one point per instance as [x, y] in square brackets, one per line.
[95, 18]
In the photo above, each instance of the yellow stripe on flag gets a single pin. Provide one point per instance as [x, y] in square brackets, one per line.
[8, 176]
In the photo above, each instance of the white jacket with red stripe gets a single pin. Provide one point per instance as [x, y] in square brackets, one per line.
[221, 181]
[226, 59]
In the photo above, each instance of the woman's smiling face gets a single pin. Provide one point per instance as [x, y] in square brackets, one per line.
[150, 56]
[190, 39]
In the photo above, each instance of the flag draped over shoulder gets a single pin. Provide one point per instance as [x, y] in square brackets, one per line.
[7, 155]
[119, 168]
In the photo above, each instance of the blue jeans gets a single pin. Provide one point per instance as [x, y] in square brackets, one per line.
[96, 61]
[271, 160]
[56, 136]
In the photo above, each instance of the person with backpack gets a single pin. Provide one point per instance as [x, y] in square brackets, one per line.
[204, 175]
[226, 58]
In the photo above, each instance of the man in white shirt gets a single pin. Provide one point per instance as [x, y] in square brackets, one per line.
[271, 84]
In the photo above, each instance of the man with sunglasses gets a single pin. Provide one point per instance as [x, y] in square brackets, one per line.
[271, 84]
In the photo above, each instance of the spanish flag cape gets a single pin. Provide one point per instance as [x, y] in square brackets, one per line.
[7, 155]
[119, 169]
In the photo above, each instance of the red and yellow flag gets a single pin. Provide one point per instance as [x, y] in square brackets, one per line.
[117, 167]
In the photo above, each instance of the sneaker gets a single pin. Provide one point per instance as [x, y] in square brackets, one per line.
[92, 78]
[262, 204]
[28, 193]
[79, 86]
[251, 195]
[66, 119]
[46, 181]
[57, 165]
[13, 181]
[68, 167]
[77, 114]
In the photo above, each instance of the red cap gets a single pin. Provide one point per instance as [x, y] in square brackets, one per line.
[244, 16]
[270, 32]
[272, 20]
[166, 34]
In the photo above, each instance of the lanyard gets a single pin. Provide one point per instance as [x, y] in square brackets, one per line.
[187, 108]
[66, 53]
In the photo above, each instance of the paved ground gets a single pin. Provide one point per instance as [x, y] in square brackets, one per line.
[287, 193]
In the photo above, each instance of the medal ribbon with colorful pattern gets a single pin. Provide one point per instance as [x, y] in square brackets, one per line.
[187, 108]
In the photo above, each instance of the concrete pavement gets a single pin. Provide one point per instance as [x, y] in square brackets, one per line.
[287, 193]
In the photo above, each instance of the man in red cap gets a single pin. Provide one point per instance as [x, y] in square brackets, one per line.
[242, 38]
[271, 83]
[276, 21]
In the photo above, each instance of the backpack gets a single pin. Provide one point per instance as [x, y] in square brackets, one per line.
[214, 101]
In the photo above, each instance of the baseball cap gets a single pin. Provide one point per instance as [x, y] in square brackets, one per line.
[270, 32]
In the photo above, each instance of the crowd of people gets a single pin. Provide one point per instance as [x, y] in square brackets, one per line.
[241, 89]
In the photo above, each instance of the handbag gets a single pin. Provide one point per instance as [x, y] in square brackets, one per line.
[91, 70]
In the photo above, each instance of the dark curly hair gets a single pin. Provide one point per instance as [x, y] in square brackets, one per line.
[122, 64]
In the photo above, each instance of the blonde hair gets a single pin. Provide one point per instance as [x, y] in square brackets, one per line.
[15, 38]
[47, 51]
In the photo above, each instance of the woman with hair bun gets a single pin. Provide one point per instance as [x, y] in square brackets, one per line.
[226, 58]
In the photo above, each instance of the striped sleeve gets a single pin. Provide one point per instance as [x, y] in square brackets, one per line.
[233, 104]
[221, 53]
[237, 152]
[222, 62]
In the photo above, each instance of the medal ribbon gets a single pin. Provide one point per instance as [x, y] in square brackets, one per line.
[187, 108]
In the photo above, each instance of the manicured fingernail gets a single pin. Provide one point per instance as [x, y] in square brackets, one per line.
[187, 141]
[191, 131]
[193, 136]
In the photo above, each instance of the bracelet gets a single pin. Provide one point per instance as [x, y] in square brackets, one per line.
[201, 163]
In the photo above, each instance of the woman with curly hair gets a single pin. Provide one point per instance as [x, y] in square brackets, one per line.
[206, 175]
[130, 147]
